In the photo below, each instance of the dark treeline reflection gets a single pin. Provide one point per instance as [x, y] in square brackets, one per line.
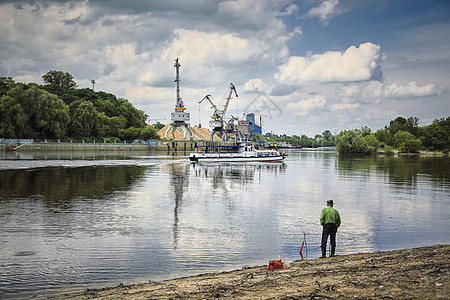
[399, 169]
[62, 183]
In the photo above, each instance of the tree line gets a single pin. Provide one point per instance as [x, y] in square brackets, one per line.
[60, 110]
[403, 134]
[326, 139]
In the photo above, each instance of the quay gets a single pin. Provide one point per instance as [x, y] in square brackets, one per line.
[29, 145]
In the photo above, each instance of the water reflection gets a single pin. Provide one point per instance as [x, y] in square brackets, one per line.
[402, 170]
[190, 184]
[73, 155]
[78, 222]
[399, 199]
[236, 172]
[58, 185]
[179, 182]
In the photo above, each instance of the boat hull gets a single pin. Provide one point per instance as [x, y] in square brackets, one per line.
[239, 159]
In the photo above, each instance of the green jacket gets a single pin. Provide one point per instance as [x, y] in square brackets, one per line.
[330, 215]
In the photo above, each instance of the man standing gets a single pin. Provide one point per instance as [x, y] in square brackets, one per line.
[330, 220]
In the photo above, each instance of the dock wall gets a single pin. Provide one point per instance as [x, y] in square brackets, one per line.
[69, 147]
[31, 146]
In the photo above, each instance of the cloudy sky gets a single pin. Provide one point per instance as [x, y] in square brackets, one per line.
[304, 66]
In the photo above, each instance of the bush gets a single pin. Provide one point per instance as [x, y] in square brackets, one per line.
[372, 142]
[388, 149]
[352, 142]
[411, 146]
[407, 142]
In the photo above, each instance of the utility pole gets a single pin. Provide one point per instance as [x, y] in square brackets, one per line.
[93, 83]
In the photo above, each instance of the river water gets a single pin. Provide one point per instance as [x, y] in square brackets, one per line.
[76, 221]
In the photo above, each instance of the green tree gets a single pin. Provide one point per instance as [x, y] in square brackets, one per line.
[434, 137]
[372, 142]
[6, 83]
[384, 136]
[13, 120]
[398, 124]
[412, 125]
[352, 142]
[158, 126]
[407, 142]
[149, 133]
[109, 126]
[135, 118]
[83, 120]
[305, 141]
[365, 131]
[59, 78]
[327, 135]
[130, 134]
[444, 124]
[47, 115]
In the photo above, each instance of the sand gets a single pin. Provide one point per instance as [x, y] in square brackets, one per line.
[419, 273]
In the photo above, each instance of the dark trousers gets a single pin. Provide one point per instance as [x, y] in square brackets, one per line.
[329, 230]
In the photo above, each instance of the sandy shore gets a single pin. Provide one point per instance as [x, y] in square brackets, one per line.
[420, 273]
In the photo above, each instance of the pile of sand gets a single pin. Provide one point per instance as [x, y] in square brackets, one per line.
[200, 134]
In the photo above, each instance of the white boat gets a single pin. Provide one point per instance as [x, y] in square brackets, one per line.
[239, 152]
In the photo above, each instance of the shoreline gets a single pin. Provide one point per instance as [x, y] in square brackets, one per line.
[417, 273]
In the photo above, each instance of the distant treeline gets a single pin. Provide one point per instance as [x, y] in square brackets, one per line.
[402, 134]
[59, 110]
[326, 139]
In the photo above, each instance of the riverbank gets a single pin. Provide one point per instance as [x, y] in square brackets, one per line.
[419, 273]
[30, 146]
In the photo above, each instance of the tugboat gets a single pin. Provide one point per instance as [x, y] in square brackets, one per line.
[238, 152]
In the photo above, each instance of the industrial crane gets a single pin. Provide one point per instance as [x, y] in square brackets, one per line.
[218, 122]
[179, 117]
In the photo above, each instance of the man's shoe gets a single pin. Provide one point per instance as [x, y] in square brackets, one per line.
[324, 252]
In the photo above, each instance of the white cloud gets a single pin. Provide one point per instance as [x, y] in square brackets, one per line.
[199, 47]
[155, 95]
[290, 9]
[129, 63]
[326, 10]
[411, 89]
[345, 106]
[375, 91]
[308, 103]
[256, 85]
[355, 64]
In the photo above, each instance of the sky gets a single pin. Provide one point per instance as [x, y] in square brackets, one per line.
[302, 67]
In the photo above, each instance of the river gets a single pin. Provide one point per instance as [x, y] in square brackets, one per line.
[82, 220]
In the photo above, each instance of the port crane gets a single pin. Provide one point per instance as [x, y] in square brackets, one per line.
[217, 123]
[179, 117]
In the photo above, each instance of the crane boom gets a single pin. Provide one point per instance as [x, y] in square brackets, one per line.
[225, 108]
[179, 104]
[208, 97]
[218, 122]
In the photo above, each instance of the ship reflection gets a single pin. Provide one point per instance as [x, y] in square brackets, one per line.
[194, 183]
[235, 171]
[179, 181]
